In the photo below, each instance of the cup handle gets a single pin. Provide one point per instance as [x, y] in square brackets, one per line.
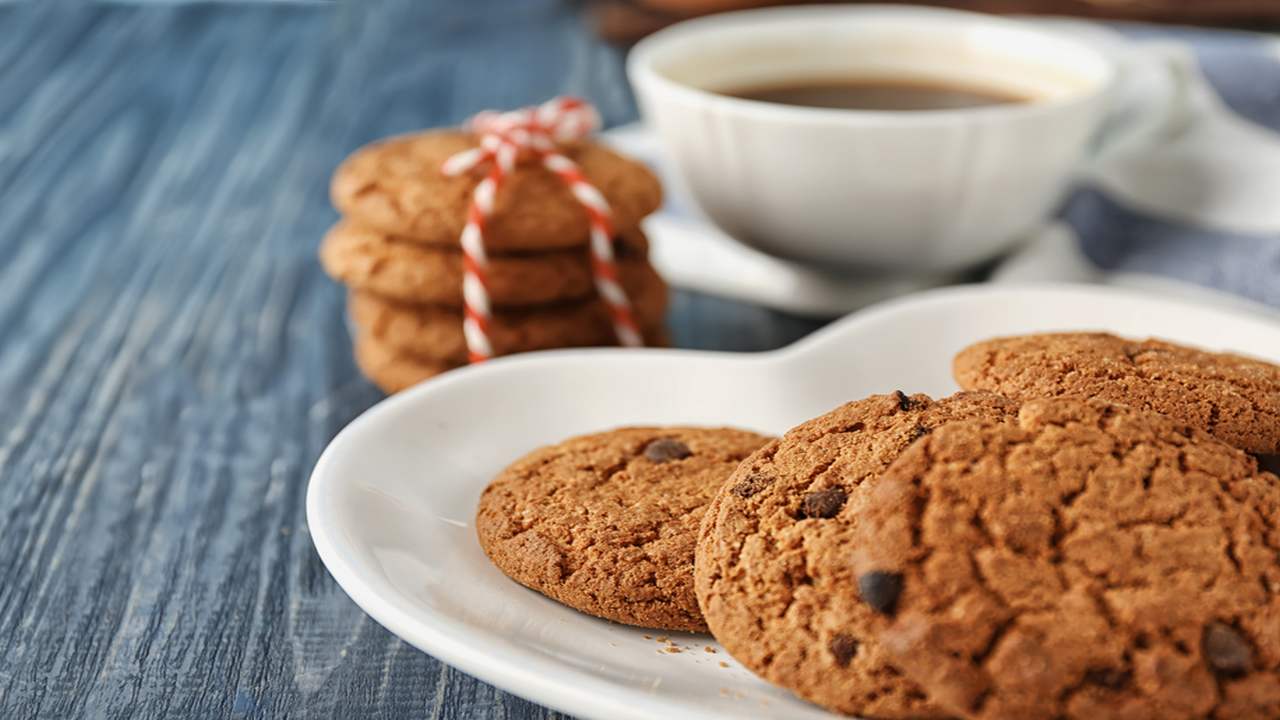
[1152, 101]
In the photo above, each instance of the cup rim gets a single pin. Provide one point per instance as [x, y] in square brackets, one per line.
[640, 70]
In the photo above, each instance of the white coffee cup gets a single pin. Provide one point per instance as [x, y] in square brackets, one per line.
[903, 191]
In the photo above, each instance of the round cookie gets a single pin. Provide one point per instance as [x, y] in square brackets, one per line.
[1235, 399]
[435, 333]
[1090, 561]
[391, 370]
[396, 186]
[606, 523]
[773, 573]
[367, 259]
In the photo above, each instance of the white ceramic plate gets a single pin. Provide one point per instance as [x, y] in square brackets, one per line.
[392, 498]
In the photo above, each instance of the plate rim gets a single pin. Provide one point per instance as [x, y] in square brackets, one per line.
[569, 690]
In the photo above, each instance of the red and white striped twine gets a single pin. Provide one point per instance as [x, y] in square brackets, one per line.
[506, 139]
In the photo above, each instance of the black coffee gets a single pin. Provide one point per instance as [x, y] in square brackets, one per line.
[876, 94]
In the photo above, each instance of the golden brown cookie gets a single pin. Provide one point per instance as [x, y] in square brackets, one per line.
[606, 523]
[396, 185]
[1090, 561]
[1235, 399]
[399, 269]
[392, 370]
[774, 577]
[435, 333]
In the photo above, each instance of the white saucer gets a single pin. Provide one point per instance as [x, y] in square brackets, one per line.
[391, 500]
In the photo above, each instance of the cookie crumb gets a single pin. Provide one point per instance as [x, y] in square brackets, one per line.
[724, 664]
[673, 649]
[709, 649]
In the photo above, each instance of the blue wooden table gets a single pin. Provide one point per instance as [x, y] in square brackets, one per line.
[172, 360]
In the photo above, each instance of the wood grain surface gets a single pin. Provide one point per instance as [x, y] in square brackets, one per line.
[172, 359]
[629, 20]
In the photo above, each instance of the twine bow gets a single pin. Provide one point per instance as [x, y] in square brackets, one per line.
[507, 139]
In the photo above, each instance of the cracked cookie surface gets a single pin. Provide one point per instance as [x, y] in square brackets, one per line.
[396, 185]
[1090, 561]
[606, 523]
[1236, 399]
[773, 572]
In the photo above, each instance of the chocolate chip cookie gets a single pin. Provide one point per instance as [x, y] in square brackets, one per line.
[1233, 398]
[774, 573]
[606, 523]
[411, 272]
[435, 333]
[1090, 561]
[396, 185]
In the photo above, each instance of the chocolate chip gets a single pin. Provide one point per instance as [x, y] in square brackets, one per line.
[665, 450]
[904, 402]
[823, 503]
[1110, 678]
[843, 648]
[880, 590]
[750, 485]
[1226, 650]
[919, 431]
[1270, 463]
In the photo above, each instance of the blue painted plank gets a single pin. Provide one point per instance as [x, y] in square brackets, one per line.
[172, 360]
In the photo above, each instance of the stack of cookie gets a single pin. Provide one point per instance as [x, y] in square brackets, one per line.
[397, 249]
[1083, 532]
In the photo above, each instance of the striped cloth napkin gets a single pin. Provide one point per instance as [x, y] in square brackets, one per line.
[1196, 203]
